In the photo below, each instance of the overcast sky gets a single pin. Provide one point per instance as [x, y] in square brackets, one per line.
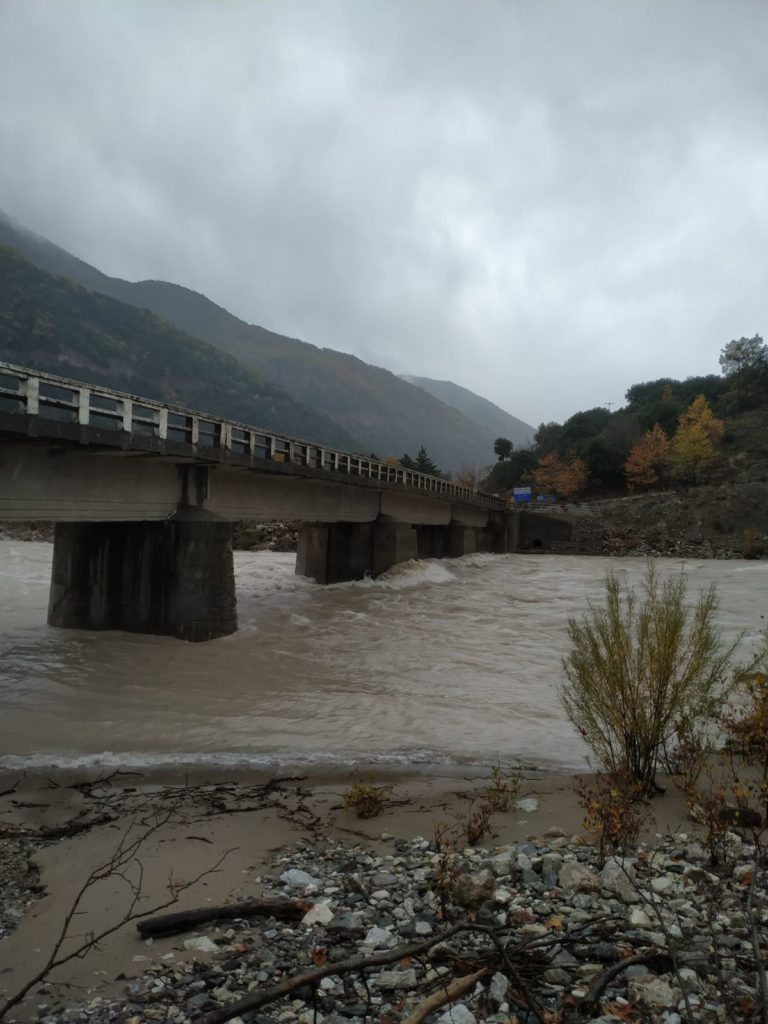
[543, 200]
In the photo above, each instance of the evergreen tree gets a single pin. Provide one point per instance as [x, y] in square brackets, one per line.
[424, 463]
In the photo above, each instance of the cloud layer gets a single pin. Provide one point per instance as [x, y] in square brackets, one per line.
[544, 202]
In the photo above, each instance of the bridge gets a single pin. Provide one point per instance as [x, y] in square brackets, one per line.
[144, 494]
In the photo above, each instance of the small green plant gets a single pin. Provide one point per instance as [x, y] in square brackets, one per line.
[637, 668]
[503, 788]
[366, 798]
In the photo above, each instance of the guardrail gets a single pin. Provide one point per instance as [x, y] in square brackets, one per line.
[32, 393]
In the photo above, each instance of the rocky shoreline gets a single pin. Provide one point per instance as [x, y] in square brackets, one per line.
[542, 932]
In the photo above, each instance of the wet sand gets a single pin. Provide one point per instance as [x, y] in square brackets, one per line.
[233, 815]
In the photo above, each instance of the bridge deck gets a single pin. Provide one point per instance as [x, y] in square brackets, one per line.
[42, 406]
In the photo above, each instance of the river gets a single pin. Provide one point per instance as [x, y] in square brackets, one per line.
[437, 662]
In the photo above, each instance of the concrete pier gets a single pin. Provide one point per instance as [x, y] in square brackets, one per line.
[174, 578]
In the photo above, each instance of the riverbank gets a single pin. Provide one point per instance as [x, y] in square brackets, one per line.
[236, 833]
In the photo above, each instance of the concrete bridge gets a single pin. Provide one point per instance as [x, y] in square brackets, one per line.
[144, 495]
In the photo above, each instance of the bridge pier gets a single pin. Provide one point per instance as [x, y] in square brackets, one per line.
[335, 552]
[173, 578]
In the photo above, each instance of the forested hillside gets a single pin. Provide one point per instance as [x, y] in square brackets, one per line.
[385, 414]
[698, 430]
[53, 324]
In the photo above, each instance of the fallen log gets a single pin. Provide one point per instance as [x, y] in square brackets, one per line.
[172, 924]
[265, 996]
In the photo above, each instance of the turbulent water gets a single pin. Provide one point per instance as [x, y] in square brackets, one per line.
[437, 662]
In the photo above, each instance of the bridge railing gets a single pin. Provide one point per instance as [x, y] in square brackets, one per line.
[31, 393]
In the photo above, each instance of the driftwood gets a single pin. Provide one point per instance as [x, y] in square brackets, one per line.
[269, 995]
[446, 995]
[172, 924]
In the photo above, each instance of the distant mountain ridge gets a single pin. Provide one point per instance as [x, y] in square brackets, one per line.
[50, 323]
[490, 417]
[387, 415]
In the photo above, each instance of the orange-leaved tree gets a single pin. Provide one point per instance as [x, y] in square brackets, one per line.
[647, 459]
[552, 474]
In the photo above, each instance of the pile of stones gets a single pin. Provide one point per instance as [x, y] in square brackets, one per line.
[545, 920]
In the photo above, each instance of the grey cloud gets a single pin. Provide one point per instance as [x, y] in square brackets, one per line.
[543, 202]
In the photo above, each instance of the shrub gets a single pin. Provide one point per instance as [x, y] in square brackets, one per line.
[503, 788]
[640, 669]
[366, 798]
[613, 812]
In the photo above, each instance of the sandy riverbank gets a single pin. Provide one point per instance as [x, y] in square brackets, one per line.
[244, 817]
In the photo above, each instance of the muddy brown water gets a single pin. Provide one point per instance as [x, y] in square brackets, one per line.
[437, 663]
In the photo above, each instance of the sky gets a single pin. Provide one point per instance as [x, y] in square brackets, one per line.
[545, 201]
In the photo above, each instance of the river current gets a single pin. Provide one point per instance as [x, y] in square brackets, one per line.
[437, 662]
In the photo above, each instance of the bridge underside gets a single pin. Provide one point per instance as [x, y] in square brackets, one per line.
[145, 543]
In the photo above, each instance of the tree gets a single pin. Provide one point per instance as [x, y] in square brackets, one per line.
[424, 464]
[502, 447]
[552, 474]
[693, 447]
[647, 459]
[638, 671]
[746, 360]
[407, 462]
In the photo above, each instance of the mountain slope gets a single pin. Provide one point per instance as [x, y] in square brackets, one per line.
[386, 414]
[489, 417]
[50, 323]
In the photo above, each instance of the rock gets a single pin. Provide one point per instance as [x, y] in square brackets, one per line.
[663, 883]
[379, 938]
[619, 876]
[295, 878]
[391, 980]
[653, 992]
[639, 919]
[349, 923]
[497, 989]
[472, 890]
[575, 877]
[321, 913]
[201, 944]
[458, 1014]
[528, 804]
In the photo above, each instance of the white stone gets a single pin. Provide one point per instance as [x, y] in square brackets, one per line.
[654, 992]
[663, 883]
[321, 913]
[458, 1014]
[497, 990]
[379, 938]
[527, 804]
[576, 876]
[295, 878]
[618, 876]
[202, 944]
[639, 918]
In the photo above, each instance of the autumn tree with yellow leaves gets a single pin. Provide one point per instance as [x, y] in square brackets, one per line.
[646, 461]
[693, 446]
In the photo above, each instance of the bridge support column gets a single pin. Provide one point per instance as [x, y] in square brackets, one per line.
[174, 578]
[463, 540]
[432, 541]
[334, 553]
[393, 542]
